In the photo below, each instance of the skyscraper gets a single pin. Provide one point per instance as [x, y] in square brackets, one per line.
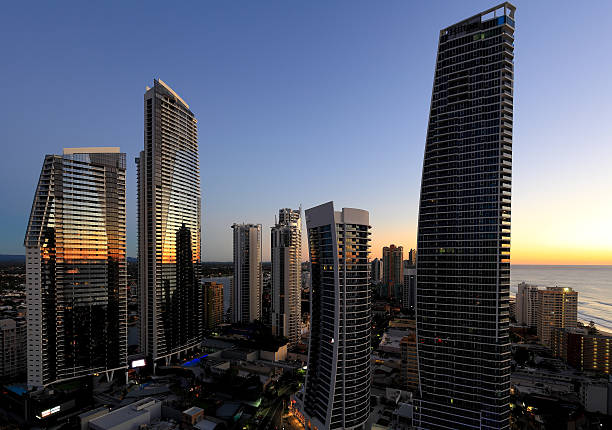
[213, 304]
[337, 387]
[409, 285]
[376, 270]
[463, 265]
[527, 304]
[393, 270]
[76, 267]
[556, 308]
[248, 278]
[287, 275]
[171, 315]
[412, 256]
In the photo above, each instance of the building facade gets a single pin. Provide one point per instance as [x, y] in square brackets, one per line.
[527, 305]
[463, 264]
[376, 271]
[412, 257]
[409, 362]
[13, 348]
[168, 227]
[213, 304]
[409, 286]
[581, 349]
[286, 255]
[393, 270]
[556, 308]
[337, 387]
[247, 287]
[76, 267]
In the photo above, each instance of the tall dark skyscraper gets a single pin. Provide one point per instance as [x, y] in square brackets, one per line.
[75, 267]
[171, 299]
[337, 387]
[463, 265]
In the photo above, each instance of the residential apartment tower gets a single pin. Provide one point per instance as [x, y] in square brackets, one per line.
[337, 387]
[76, 290]
[170, 296]
[247, 287]
[287, 275]
[463, 264]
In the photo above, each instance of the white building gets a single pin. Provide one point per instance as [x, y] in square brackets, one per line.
[338, 380]
[248, 279]
[409, 287]
[286, 275]
[12, 347]
[527, 304]
[131, 417]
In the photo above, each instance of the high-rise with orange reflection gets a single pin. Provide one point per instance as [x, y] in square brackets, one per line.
[171, 301]
[76, 267]
[463, 241]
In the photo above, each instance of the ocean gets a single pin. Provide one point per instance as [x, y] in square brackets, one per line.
[593, 283]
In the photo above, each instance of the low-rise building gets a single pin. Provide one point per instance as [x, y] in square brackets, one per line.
[192, 416]
[581, 349]
[279, 354]
[12, 347]
[596, 396]
[130, 417]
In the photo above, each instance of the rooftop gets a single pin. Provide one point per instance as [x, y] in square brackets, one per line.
[92, 150]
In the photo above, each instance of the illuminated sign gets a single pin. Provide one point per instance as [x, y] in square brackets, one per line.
[138, 363]
[48, 412]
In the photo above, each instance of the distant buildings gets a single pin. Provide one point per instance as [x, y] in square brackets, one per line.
[412, 257]
[409, 363]
[337, 386]
[287, 276]
[13, 348]
[581, 349]
[76, 288]
[170, 298]
[556, 308]
[527, 305]
[248, 277]
[393, 270]
[463, 242]
[376, 271]
[213, 304]
[409, 285]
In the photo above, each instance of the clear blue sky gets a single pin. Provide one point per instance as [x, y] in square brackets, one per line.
[306, 102]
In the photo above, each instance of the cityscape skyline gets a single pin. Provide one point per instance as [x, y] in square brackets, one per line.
[350, 100]
[364, 310]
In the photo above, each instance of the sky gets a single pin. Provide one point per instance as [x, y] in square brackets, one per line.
[300, 103]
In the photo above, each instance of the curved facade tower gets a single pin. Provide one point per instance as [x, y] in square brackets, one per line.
[75, 267]
[286, 255]
[171, 297]
[463, 264]
[337, 389]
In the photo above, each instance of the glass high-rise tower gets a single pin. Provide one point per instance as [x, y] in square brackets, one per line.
[76, 267]
[336, 392]
[463, 265]
[171, 297]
